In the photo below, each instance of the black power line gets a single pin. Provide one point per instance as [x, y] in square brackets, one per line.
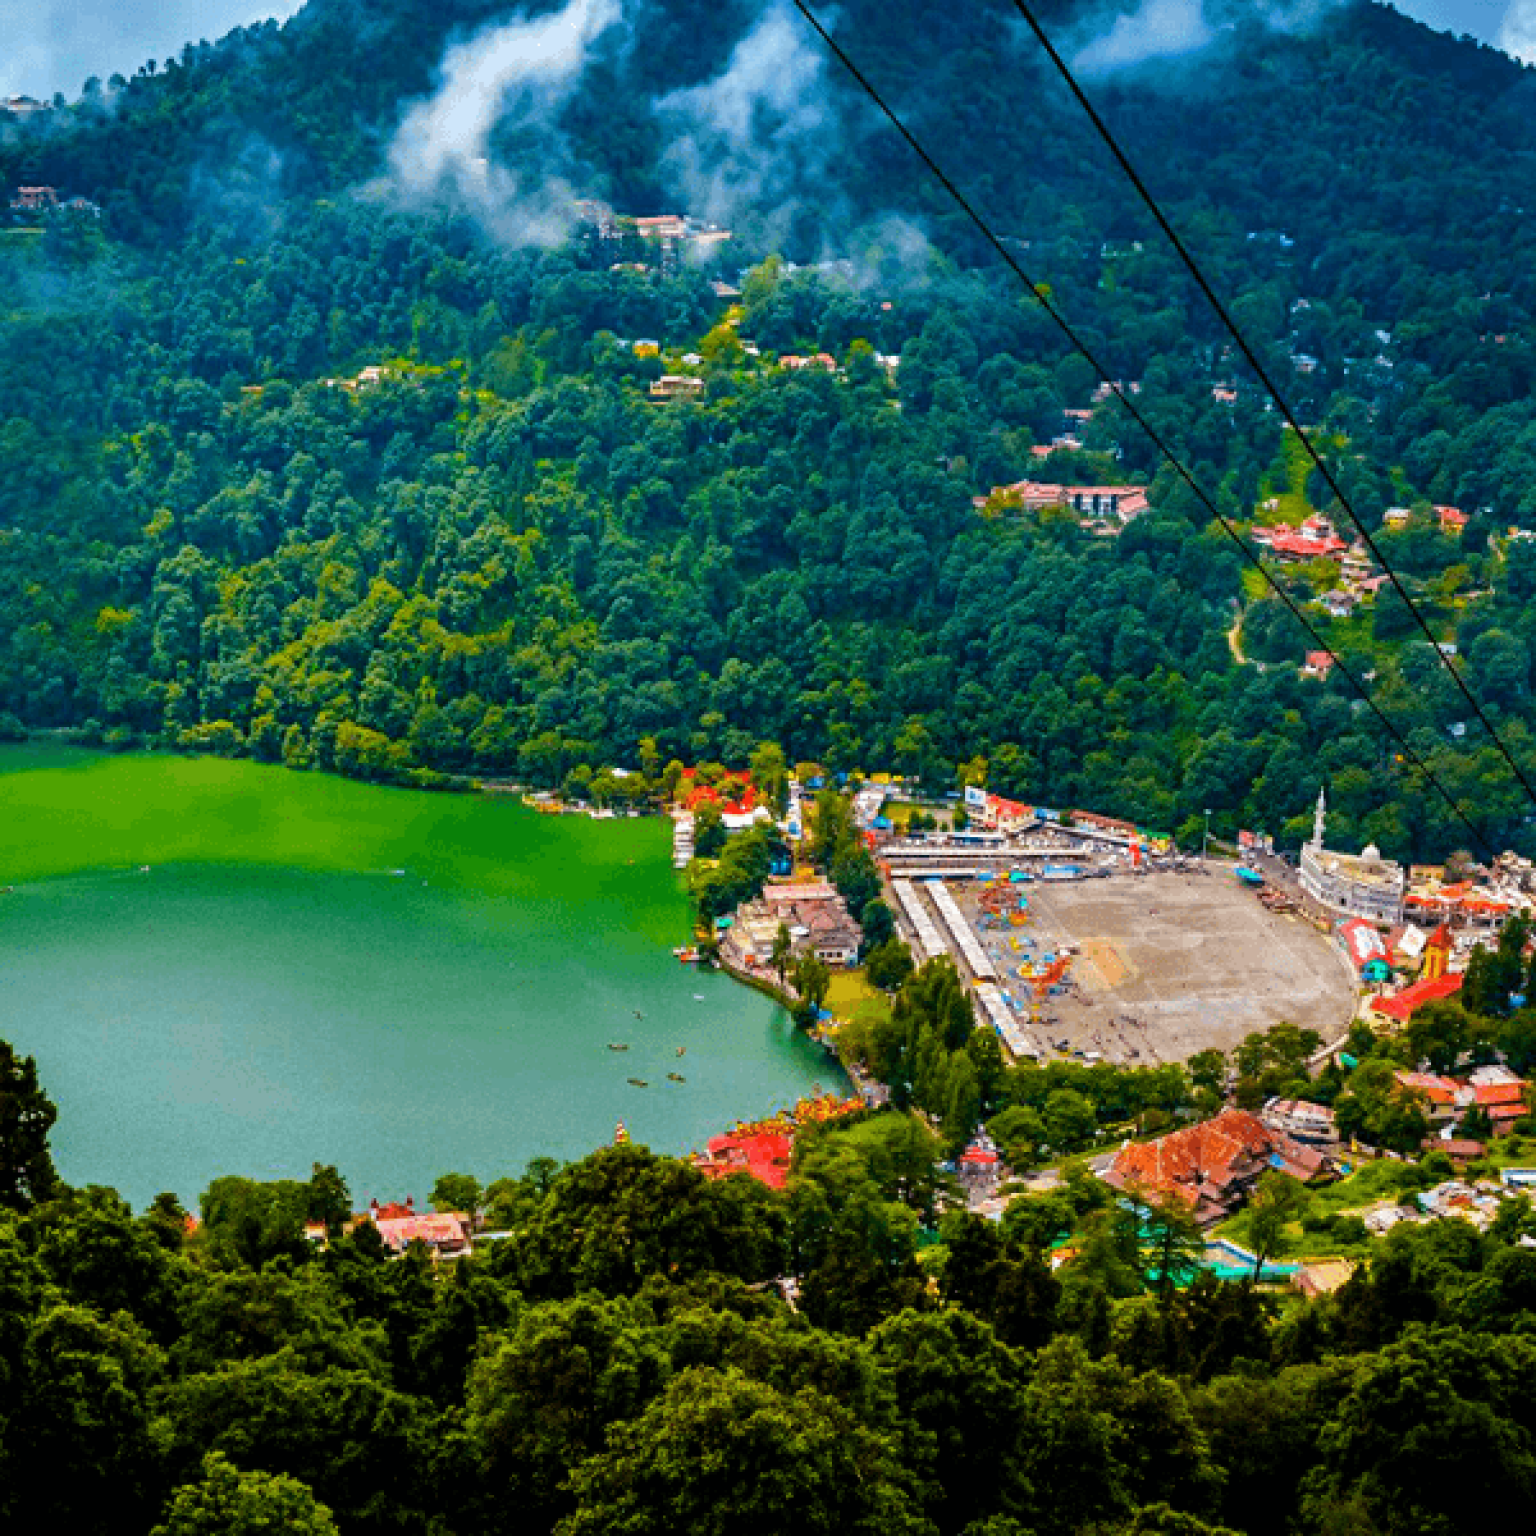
[1043, 299]
[1153, 207]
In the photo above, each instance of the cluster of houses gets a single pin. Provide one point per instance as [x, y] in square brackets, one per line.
[446, 1234]
[1411, 905]
[1494, 1091]
[1478, 1202]
[29, 204]
[1408, 965]
[689, 386]
[815, 916]
[1360, 581]
[675, 235]
[1318, 539]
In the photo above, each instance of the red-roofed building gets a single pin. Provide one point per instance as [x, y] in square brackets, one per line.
[1490, 1094]
[763, 1155]
[1452, 520]
[1364, 945]
[34, 199]
[1503, 1103]
[446, 1233]
[1319, 664]
[1108, 501]
[1402, 1006]
[1212, 1165]
[735, 794]
[1441, 1092]
[1293, 545]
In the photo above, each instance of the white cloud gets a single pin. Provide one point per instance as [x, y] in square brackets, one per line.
[522, 71]
[1517, 33]
[758, 136]
[1159, 29]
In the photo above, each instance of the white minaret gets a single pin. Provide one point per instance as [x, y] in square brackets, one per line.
[1320, 820]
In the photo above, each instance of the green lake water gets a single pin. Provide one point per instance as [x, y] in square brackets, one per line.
[274, 992]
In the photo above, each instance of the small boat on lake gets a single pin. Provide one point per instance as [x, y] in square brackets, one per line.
[676, 1077]
[687, 956]
[638, 1082]
[682, 1050]
[616, 1045]
[698, 997]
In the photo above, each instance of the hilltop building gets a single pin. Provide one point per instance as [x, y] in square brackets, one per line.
[1360, 885]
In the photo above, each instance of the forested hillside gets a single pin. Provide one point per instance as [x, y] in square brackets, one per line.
[623, 1359]
[501, 555]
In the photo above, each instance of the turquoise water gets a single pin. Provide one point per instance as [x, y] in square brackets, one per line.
[271, 993]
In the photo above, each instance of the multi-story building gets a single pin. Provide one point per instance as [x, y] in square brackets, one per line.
[1361, 885]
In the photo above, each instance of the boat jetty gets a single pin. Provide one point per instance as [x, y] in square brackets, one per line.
[682, 839]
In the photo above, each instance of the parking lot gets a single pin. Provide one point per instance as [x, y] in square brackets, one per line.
[1166, 965]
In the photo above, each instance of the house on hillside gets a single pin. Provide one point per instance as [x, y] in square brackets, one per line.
[34, 200]
[665, 226]
[445, 1233]
[1296, 544]
[1443, 1098]
[677, 386]
[1123, 502]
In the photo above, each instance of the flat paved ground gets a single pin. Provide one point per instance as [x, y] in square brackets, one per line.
[1170, 964]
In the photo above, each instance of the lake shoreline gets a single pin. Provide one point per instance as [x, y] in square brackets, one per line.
[273, 993]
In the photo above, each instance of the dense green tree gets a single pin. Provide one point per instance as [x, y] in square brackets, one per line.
[26, 1117]
[718, 1453]
[229, 1502]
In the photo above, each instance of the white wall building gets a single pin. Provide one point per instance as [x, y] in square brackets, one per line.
[1362, 885]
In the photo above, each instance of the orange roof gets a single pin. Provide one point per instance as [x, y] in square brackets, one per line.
[1406, 1003]
[1438, 1090]
[763, 1154]
[1500, 1093]
[1200, 1154]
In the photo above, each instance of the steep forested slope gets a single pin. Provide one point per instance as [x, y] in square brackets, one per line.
[508, 559]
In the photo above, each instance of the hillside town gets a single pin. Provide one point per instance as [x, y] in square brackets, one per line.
[991, 889]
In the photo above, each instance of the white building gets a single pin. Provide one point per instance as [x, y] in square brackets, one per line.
[1362, 885]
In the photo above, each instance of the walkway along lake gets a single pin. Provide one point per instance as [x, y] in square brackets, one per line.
[314, 970]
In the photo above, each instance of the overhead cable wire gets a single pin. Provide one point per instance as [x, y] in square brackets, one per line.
[1263, 376]
[1042, 298]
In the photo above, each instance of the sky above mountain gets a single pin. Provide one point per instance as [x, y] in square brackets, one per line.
[55, 45]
